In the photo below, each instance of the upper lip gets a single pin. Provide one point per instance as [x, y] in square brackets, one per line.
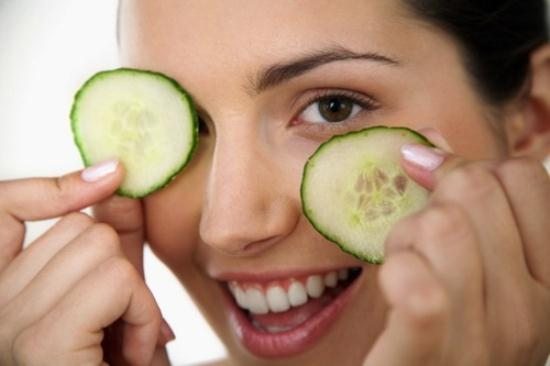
[274, 275]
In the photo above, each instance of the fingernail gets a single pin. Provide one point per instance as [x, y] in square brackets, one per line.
[423, 156]
[99, 171]
[167, 332]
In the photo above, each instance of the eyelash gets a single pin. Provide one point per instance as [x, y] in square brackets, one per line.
[366, 103]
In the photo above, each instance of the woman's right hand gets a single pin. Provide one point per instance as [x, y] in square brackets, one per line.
[59, 295]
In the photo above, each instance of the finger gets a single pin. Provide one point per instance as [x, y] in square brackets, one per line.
[112, 345]
[477, 190]
[25, 266]
[421, 161]
[44, 198]
[475, 187]
[443, 235]
[531, 209]
[417, 326]
[429, 165]
[72, 263]
[113, 291]
[426, 164]
[12, 233]
[125, 215]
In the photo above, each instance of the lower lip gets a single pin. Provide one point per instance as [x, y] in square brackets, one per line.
[291, 342]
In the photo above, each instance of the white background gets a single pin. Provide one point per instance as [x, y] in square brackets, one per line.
[47, 49]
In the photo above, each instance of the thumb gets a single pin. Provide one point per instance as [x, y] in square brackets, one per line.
[125, 215]
[428, 164]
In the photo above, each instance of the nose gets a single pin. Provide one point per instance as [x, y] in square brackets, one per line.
[248, 205]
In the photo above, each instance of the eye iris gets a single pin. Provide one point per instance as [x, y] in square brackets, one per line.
[335, 109]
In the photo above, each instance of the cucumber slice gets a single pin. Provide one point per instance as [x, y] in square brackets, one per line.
[143, 118]
[354, 189]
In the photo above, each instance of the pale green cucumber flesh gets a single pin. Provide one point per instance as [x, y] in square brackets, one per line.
[144, 119]
[354, 189]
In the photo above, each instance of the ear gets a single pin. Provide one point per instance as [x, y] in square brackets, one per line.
[529, 130]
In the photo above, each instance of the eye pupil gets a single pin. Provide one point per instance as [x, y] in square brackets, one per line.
[335, 109]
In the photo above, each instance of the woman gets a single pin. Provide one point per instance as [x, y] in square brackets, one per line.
[466, 280]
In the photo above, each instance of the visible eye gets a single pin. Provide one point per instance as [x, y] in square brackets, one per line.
[333, 109]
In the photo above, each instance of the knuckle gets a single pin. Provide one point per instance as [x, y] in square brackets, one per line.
[401, 233]
[470, 182]
[78, 219]
[432, 311]
[106, 238]
[424, 302]
[120, 270]
[443, 221]
[121, 212]
[155, 313]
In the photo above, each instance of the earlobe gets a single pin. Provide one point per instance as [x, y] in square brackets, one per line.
[529, 133]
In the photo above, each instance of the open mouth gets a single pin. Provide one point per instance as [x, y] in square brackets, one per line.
[285, 316]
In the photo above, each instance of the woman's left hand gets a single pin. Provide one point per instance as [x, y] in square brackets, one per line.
[467, 278]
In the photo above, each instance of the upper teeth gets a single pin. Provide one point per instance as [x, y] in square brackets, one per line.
[276, 298]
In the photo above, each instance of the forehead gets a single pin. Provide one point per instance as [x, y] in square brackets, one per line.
[224, 43]
[264, 19]
[236, 32]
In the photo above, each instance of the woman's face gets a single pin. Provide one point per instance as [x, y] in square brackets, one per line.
[272, 80]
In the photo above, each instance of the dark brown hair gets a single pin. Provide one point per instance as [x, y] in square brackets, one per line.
[496, 38]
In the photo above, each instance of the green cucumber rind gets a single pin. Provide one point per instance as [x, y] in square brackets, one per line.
[303, 186]
[185, 97]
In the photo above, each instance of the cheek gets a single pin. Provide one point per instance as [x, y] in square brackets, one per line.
[462, 120]
[474, 137]
[172, 215]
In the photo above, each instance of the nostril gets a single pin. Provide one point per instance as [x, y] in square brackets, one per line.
[234, 243]
[260, 245]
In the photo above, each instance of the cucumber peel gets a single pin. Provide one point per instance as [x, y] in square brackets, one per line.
[353, 189]
[143, 118]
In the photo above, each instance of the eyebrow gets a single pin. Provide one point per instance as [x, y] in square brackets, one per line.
[282, 72]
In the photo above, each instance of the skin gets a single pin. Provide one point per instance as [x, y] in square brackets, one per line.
[465, 281]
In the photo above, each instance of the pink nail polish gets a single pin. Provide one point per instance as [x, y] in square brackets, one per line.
[99, 171]
[425, 157]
